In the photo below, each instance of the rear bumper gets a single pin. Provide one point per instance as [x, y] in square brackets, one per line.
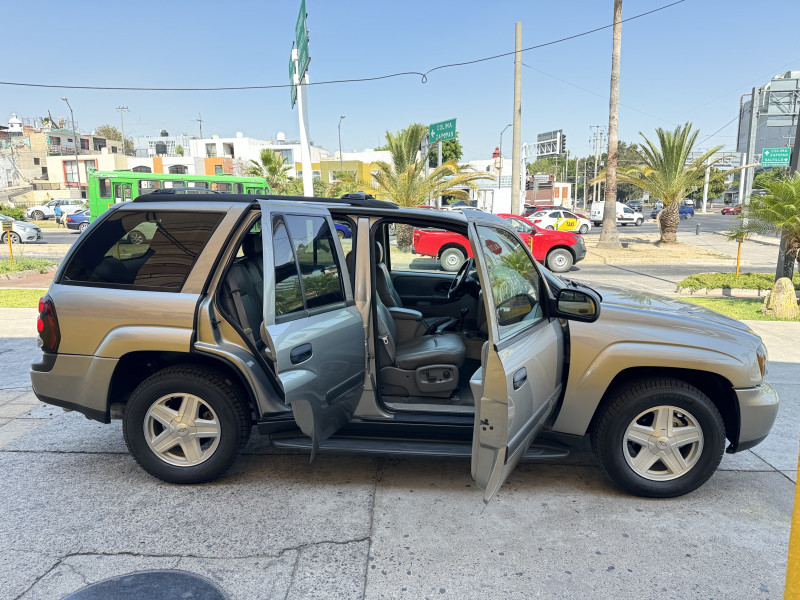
[80, 383]
[758, 408]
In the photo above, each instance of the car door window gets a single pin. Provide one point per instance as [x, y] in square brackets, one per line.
[288, 294]
[521, 226]
[514, 281]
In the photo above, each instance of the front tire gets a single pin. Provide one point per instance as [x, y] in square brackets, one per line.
[15, 239]
[452, 259]
[639, 222]
[185, 424]
[559, 260]
[584, 229]
[659, 438]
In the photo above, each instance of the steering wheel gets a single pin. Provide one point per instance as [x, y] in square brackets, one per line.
[457, 287]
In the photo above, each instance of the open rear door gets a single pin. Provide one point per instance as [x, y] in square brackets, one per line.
[522, 362]
[313, 332]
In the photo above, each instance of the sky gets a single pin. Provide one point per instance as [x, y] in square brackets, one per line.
[683, 63]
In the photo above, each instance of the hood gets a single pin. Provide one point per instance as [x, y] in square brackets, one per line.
[654, 307]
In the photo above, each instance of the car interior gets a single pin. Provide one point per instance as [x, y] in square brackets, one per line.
[430, 326]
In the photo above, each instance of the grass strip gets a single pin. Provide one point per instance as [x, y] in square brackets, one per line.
[744, 281]
[20, 298]
[743, 309]
[25, 264]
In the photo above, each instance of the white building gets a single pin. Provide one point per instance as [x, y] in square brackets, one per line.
[243, 149]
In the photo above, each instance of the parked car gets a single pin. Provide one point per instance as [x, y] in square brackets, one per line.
[685, 212]
[559, 250]
[21, 232]
[217, 323]
[78, 220]
[560, 219]
[635, 205]
[343, 231]
[47, 211]
[732, 210]
[625, 214]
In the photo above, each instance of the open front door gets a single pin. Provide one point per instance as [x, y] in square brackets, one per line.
[312, 329]
[522, 362]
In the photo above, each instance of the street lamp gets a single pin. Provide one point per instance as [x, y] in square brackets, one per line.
[500, 168]
[340, 140]
[77, 141]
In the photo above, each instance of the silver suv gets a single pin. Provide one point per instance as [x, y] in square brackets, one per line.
[314, 320]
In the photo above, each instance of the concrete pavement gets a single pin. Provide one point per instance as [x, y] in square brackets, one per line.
[75, 509]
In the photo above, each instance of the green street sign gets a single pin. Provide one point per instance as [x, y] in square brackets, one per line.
[775, 157]
[292, 71]
[301, 40]
[442, 131]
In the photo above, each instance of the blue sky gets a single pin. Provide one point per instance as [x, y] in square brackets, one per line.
[680, 64]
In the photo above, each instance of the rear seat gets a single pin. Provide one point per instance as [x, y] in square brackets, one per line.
[246, 278]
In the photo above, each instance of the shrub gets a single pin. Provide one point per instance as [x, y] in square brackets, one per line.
[14, 213]
[745, 281]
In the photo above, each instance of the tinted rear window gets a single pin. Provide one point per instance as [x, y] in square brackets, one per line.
[142, 250]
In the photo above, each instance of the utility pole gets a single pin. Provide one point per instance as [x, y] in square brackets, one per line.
[705, 188]
[199, 119]
[517, 121]
[597, 140]
[574, 194]
[122, 127]
[585, 184]
[751, 145]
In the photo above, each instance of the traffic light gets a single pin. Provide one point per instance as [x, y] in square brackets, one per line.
[563, 143]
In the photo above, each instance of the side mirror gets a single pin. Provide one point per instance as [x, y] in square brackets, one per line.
[577, 305]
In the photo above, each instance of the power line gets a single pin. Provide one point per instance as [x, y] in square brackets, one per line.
[423, 76]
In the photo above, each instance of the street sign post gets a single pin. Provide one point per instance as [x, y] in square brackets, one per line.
[292, 73]
[442, 131]
[775, 157]
[7, 228]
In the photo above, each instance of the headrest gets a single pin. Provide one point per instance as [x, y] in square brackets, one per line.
[251, 245]
[378, 252]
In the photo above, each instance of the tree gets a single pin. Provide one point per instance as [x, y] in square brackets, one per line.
[777, 212]
[608, 236]
[451, 150]
[666, 173]
[294, 187]
[767, 176]
[404, 182]
[109, 132]
[179, 150]
[271, 168]
[346, 182]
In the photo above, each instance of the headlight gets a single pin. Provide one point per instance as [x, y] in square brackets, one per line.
[763, 357]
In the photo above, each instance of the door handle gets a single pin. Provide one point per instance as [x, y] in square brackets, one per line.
[520, 377]
[300, 353]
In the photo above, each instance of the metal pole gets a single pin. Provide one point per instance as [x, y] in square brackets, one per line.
[340, 140]
[77, 141]
[500, 161]
[741, 180]
[705, 188]
[517, 120]
[574, 193]
[122, 127]
[305, 150]
[751, 145]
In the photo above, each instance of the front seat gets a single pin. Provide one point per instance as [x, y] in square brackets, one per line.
[425, 365]
[389, 295]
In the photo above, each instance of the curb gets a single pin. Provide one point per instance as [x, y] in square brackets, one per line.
[726, 292]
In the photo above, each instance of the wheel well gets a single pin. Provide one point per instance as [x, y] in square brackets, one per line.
[452, 245]
[718, 389]
[567, 248]
[133, 368]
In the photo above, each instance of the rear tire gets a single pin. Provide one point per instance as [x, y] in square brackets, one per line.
[659, 438]
[185, 424]
[82, 227]
[136, 237]
[550, 227]
[37, 215]
[451, 259]
[559, 260]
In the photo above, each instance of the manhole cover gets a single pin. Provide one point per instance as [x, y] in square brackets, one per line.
[153, 585]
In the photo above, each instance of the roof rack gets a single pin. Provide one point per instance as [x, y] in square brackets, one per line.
[359, 199]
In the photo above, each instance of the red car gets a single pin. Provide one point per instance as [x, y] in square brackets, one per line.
[558, 250]
[732, 210]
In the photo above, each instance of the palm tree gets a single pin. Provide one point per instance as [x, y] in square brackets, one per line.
[271, 167]
[608, 235]
[346, 182]
[777, 212]
[668, 174]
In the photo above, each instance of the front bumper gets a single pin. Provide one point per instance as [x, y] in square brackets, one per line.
[30, 235]
[580, 250]
[758, 408]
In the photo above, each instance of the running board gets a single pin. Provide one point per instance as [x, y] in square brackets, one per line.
[537, 452]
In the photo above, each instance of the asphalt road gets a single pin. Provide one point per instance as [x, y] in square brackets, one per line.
[710, 222]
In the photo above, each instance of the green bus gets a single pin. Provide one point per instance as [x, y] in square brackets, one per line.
[107, 188]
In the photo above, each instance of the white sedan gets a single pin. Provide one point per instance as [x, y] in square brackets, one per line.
[562, 220]
[48, 211]
[20, 232]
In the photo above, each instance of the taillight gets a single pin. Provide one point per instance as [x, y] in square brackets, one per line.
[47, 325]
